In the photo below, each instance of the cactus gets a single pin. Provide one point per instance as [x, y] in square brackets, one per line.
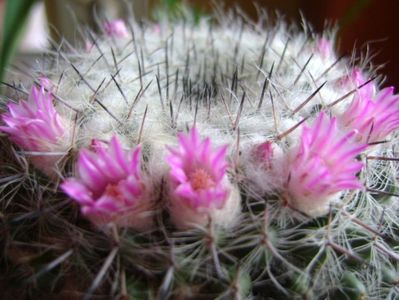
[222, 159]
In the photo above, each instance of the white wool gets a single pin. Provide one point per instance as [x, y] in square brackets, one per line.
[185, 217]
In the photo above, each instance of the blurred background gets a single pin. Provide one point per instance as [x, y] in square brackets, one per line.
[361, 22]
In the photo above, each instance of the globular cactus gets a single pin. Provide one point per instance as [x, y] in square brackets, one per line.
[218, 160]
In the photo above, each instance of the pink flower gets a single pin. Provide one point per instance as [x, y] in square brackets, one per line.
[198, 173]
[111, 187]
[34, 125]
[198, 180]
[354, 80]
[323, 165]
[116, 28]
[373, 117]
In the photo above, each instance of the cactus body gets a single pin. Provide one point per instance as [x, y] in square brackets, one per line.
[268, 169]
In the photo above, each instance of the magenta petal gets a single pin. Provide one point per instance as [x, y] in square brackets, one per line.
[90, 174]
[350, 185]
[108, 204]
[6, 129]
[117, 152]
[317, 127]
[133, 188]
[185, 190]
[187, 146]
[205, 149]
[135, 160]
[219, 158]
[20, 110]
[77, 191]
[109, 168]
[179, 175]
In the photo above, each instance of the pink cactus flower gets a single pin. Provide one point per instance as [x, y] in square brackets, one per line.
[373, 117]
[35, 126]
[116, 28]
[356, 79]
[198, 180]
[366, 91]
[111, 186]
[198, 172]
[323, 165]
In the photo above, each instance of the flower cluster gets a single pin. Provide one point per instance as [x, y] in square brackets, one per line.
[110, 186]
[325, 160]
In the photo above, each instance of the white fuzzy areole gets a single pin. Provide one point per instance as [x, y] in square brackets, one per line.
[313, 206]
[263, 178]
[184, 217]
[141, 217]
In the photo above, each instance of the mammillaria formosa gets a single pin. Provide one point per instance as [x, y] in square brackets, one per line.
[228, 160]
